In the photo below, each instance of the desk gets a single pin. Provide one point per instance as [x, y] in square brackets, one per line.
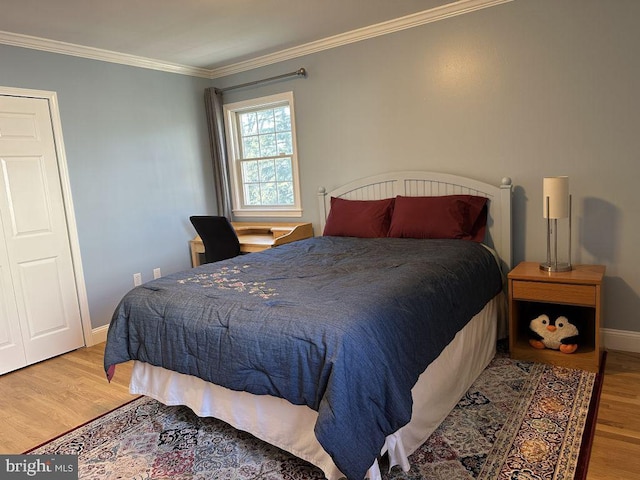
[257, 236]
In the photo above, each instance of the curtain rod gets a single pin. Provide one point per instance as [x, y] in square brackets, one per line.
[301, 72]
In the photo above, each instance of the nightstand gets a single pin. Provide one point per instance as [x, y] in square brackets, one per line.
[576, 294]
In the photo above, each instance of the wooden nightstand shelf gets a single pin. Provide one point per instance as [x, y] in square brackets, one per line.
[577, 294]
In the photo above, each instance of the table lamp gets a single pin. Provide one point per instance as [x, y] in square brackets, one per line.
[556, 205]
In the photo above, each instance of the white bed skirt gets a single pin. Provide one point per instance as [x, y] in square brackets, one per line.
[290, 427]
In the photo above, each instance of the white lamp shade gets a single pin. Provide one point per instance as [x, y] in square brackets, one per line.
[556, 189]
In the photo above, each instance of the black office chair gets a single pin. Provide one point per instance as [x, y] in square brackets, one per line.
[218, 236]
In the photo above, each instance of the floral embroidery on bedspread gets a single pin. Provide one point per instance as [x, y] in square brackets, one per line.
[225, 279]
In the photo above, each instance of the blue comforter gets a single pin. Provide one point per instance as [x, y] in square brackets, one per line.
[342, 325]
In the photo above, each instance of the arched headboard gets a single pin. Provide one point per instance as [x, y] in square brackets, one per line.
[419, 183]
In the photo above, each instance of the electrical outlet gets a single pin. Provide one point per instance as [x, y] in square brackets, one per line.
[137, 279]
[156, 273]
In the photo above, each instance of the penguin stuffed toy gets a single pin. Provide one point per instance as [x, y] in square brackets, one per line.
[558, 335]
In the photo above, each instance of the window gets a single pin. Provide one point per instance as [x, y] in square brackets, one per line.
[261, 143]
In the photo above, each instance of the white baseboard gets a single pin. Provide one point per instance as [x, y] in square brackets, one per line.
[99, 334]
[623, 340]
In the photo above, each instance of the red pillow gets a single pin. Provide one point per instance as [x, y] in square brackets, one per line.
[359, 218]
[449, 216]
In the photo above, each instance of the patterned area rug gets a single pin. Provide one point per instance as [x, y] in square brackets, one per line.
[519, 420]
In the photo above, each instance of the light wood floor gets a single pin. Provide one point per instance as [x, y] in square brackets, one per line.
[616, 445]
[44, 400]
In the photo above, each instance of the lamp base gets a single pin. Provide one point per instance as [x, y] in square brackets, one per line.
[556, 267]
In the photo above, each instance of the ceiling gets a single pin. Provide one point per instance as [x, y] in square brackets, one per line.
[209, 35]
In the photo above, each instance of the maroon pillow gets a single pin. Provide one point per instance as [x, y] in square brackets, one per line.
[359, 218]
[449, 216]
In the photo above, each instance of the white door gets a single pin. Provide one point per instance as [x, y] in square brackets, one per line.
[12, 354]
[39, 307]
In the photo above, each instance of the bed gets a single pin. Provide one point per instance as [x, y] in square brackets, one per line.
[330, 348]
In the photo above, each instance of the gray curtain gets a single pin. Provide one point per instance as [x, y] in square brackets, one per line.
[217, 142]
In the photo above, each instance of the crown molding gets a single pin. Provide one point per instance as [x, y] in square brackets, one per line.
[64, 48]
[443, 12]
[409, 21]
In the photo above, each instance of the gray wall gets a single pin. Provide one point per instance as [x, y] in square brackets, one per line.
[526, 89]
[138, 159]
